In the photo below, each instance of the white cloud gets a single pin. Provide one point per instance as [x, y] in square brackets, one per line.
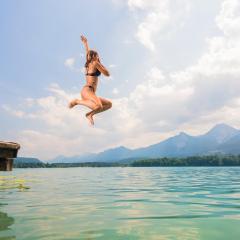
[229, 18]
[46, 145]
[13, 112]
[160, 19]
[137, 4]
[128, 41]
[66, 131]
[228, 114]
[112, 65]
[171, 101]
[69, 62]
[199, 90]
[153, 23]
[115, 91]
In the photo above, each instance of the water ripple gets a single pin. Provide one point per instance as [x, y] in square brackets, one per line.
[121, 203]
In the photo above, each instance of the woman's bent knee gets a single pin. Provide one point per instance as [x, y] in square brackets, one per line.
[98, 107]
[109, 105]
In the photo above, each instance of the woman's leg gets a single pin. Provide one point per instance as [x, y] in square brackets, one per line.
[87, 102]
[89, 99]
[106, 105]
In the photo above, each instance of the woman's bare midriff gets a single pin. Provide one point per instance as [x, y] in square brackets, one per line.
[92, 81]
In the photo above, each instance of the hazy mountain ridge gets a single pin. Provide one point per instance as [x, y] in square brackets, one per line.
[21, 160]
[220, 139]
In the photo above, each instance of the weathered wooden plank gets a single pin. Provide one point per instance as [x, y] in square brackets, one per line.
[6, 164]
[9, 145]
[8, 151]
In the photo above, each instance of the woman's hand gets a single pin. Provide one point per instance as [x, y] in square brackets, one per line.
[84, 39]
[98, 59]
[85, 43]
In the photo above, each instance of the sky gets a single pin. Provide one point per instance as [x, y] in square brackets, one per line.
[174, 65]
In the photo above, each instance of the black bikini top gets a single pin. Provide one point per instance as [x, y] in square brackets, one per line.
[97, 73]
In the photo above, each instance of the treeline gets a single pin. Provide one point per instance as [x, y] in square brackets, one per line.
[198, 161]
[212, 160]
[29, 165]
[85, 164]
[67, 165]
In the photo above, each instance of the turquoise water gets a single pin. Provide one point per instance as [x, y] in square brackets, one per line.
[120, 203]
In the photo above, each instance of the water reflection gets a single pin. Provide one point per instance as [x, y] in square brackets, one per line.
[12, 182]
[5, 230]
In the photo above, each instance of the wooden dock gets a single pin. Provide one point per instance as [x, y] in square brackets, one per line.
[8, 151]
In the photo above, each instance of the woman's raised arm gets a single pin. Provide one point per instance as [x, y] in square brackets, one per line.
[85, 43]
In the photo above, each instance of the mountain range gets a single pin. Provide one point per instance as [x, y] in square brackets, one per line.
[23, 160]
[221, 139]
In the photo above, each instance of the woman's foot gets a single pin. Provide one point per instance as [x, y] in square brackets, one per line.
[72, 104]
[90, 118]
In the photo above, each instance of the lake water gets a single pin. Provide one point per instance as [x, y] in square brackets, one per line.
[121, 203]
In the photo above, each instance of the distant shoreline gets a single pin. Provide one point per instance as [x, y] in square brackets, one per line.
[194, 161]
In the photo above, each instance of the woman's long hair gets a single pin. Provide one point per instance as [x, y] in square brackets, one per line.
[89, 57]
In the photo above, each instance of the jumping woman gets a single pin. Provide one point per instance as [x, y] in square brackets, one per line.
[94, 68]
